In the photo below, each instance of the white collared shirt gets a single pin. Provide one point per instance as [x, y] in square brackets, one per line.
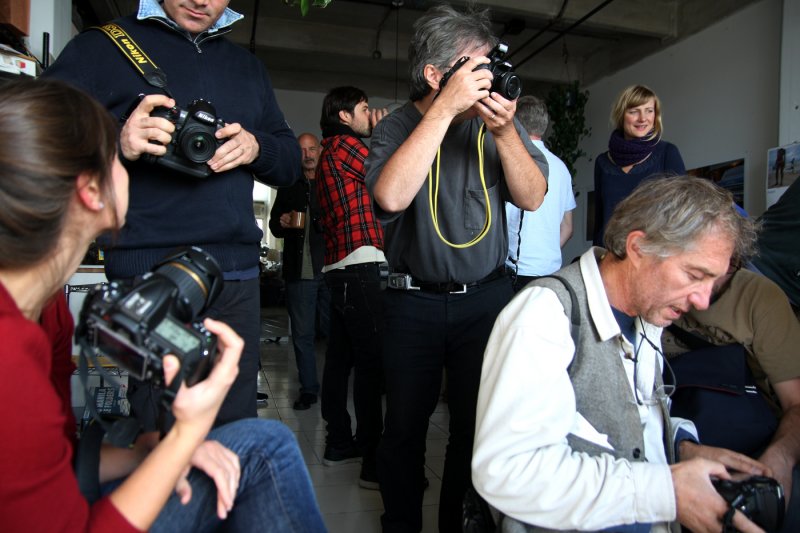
[522, 464]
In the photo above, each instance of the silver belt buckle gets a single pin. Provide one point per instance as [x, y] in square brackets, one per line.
[463, 289]
[400, 281]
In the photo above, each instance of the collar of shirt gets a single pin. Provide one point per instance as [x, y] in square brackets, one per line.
[599, 307]
[153, 9]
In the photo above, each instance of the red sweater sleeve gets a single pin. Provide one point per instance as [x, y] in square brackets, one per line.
[38, 489]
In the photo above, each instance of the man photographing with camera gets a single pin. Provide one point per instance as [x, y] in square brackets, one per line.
[171, 208]
[439, 170]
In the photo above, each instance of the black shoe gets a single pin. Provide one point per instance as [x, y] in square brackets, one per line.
[340, 456]
[305, 401]
[261, 398]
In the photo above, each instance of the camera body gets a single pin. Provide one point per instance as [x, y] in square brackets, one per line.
[193, 141]
[759, 498]
[506, 83]
[136, 324]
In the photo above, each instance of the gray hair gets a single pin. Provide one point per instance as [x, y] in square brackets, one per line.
[532, 113]
[438, 34]
[674, 212]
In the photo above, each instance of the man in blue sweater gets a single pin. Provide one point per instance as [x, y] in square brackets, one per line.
[169, 209]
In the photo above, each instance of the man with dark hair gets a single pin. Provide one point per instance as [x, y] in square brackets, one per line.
[353, 254]
[307, 296]
[169, 209]
[535, 238]
[571, 427]
[446, 243]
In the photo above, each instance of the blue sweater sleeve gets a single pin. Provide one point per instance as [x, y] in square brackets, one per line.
[673, 162]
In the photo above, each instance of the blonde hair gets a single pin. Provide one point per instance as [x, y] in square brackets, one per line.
[634, 96]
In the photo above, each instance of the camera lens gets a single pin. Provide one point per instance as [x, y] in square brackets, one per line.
[511, 86]
[198, 278]
[198, 144]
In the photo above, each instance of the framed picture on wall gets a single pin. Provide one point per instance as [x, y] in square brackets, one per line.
[783, 167]
[728, 175]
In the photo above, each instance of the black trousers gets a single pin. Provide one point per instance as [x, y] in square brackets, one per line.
[427, 333]
[238, 305]
[354, 342]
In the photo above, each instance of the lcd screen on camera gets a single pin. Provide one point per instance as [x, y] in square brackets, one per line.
[122, 351]
[177, 335]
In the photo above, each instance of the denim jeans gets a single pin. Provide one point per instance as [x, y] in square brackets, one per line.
[427, 333]
[304, 298]
[354, 343]
[275, 492]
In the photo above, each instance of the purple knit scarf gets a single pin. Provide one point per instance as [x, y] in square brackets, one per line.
[626, 152]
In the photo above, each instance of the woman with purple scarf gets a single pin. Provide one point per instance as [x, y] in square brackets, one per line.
[635, 152]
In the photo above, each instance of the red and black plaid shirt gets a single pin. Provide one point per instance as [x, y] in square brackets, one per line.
[346, 208]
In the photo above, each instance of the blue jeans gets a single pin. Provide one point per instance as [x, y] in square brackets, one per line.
[304, 298]
[275, 492]
[427, 333]
[354, 343]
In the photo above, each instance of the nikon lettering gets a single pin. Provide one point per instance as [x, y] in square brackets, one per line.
[135, 54]
[129, 47]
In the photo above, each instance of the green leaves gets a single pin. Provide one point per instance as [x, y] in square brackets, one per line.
[565, 105]
[306, 4]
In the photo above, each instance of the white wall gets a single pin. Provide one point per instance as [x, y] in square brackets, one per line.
[720, 95]
[53, 17]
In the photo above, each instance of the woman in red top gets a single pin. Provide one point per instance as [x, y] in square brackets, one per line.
[61, 185]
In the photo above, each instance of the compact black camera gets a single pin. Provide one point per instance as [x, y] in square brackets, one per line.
[193, 142]
[506, 83]
[759, 498]
[137, 324]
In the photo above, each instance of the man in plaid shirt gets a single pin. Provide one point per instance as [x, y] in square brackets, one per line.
[353, 254]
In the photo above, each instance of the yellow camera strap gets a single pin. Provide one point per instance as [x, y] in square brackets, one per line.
[153, 75]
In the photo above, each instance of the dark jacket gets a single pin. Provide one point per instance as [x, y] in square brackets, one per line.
[296, 198]
[168, 209]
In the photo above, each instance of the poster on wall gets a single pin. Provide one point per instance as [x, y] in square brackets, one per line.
[728, 175]
[783, 167]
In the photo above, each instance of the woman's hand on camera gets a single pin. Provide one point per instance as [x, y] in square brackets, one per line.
[220, 464]
[140, 130]
[197, 406]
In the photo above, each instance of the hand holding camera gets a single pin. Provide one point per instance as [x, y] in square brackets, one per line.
[194, 141]
[139, 324]
[497, 109]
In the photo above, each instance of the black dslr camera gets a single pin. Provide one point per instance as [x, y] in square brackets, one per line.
[137, 324]
[506, 83]
[759, 498]
[193, 142]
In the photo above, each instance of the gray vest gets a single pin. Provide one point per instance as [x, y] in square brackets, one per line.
[602, 392]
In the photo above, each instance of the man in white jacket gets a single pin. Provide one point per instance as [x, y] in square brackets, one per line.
[571, 426]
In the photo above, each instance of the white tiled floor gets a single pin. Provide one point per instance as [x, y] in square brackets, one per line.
[345, 506]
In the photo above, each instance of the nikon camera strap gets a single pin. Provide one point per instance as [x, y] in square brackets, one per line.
[153, 75]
